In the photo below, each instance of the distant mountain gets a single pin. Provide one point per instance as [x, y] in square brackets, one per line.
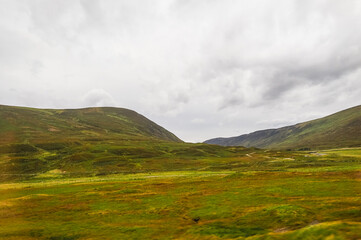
[342, 129]
[21, 124]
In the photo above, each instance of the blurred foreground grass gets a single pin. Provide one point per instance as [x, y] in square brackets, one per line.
[315, 195]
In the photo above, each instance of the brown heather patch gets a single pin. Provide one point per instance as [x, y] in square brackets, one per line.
[5, 204]
[53, 129]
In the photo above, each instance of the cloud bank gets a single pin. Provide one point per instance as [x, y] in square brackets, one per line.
[200, 68]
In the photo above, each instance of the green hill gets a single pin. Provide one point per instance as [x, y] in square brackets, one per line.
[342, 129]
[20, 124]
[75, 140]
[107, 173]
[95, 141]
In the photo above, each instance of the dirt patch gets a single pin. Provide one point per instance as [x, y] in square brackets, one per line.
[358, 175]
[281, 230]
[6, 204]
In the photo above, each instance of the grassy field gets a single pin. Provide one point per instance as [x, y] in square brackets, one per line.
[47, 143]
[252, 195]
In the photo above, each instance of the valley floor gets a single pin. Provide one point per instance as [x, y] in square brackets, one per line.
[318, 199]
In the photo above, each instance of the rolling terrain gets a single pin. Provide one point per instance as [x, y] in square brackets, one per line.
[31, 125]
[342, 129]
[95, 141]
[109, 173]
[267, 197]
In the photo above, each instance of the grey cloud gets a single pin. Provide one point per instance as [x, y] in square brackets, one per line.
[98, 98]
[36, 67]
[181, 97]
[228, 62]
[279, 85]
[231, 101]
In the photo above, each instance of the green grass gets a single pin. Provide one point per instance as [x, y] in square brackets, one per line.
[112, 174]
[101, 141]
[265, 203]
[96, 141]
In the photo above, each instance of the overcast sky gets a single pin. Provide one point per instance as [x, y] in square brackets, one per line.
[200, 68]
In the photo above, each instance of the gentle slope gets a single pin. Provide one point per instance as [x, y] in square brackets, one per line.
[342, 129]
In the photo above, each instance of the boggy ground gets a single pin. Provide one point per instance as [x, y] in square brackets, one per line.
[313, 195]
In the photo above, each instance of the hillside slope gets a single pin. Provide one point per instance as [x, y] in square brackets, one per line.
[76, 141]
[342, 129]
[42, 143]
[20, 124]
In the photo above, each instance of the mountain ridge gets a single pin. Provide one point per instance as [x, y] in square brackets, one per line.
[28, 124]
[340, 129]
[41, 143]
